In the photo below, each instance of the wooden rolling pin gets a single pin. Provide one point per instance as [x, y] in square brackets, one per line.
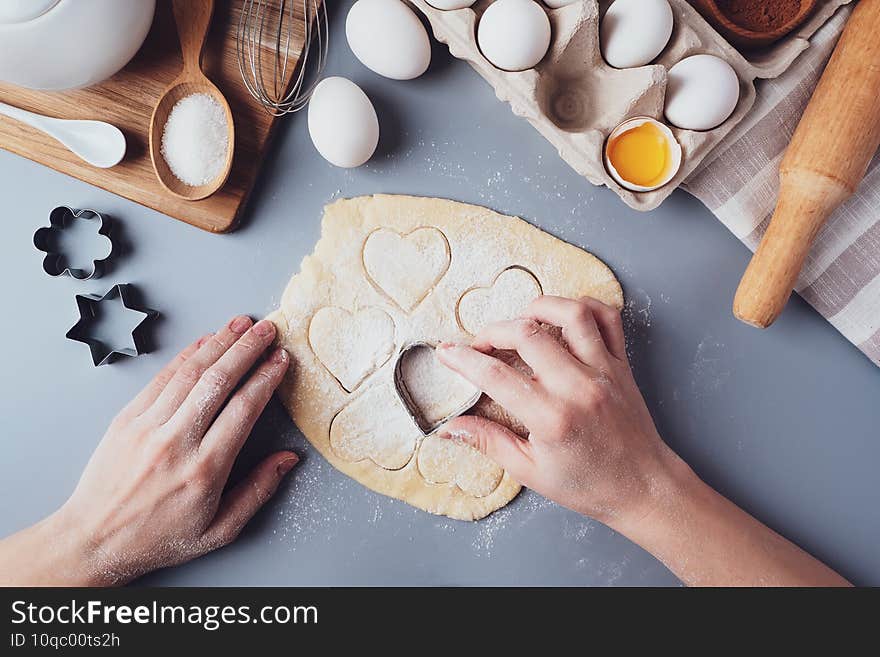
[824, 164]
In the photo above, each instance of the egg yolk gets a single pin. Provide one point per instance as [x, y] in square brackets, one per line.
[641, 155]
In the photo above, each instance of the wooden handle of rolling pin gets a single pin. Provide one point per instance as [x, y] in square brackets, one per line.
[824, 164]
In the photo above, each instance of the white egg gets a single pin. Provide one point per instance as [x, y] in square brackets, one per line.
[514, 34]
[342, 122]
[447, 5]
[634, 32]
[702, 92]
[556, 4]
[388, 38]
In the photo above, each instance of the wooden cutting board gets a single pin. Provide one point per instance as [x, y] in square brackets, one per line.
[127, 99]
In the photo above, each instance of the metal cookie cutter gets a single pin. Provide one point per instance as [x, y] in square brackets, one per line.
[426, 426]
[90, 313]
[55, 262]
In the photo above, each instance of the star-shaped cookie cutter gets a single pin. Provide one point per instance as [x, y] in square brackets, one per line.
[405, 396]
[55, 262]
[89, 311]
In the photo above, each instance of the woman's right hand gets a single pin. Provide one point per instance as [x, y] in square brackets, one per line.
[592, 446]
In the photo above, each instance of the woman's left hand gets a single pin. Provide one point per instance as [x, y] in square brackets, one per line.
[152, 494]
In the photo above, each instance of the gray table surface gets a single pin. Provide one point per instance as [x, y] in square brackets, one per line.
[785, 421]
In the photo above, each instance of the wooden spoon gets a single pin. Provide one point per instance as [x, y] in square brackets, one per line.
[193, 19]
[740, 35]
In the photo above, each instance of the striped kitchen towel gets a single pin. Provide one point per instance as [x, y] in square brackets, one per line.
[739, 182]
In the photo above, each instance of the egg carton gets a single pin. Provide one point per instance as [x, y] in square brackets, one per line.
[575, 99]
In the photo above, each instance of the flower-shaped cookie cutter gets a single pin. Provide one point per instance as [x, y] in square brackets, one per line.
[56, 263]
[426, 426]
[89, 313]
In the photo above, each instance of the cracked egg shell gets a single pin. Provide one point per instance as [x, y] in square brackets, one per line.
[642, 154]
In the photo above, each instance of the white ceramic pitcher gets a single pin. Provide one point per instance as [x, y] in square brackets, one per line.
[65, 44]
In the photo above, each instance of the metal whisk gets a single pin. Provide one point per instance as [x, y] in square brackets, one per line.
[266, 25]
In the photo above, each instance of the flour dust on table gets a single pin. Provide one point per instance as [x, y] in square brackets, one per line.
[390, 271]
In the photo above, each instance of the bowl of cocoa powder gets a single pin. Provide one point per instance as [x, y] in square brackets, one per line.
[755, 23]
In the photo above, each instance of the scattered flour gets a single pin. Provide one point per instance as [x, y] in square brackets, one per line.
[519, 513]
[706, 375]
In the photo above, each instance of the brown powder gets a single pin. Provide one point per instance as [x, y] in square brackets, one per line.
[760, 15]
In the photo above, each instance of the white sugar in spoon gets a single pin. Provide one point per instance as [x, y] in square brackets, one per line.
[98, 143]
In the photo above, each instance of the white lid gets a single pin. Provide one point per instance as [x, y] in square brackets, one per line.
[21, 11]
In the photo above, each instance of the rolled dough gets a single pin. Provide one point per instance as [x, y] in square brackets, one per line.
[439, 270]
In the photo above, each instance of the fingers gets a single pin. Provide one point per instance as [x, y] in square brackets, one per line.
[151, 392]
[232, 427]
[198, 410]
[579, 321]
[495, 441]
[515, 391]
[240, 504]
[610, 325]
[186, 377]
[551, 362]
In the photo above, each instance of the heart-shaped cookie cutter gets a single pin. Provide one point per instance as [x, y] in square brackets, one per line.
[405, 396]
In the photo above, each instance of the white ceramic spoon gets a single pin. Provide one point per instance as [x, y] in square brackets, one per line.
[98, 143]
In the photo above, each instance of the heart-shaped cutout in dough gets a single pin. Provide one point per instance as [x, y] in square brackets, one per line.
[351, 345]
[510, 293]
[374, 426]
[449, 460]
[431, 392]
[405, 268]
